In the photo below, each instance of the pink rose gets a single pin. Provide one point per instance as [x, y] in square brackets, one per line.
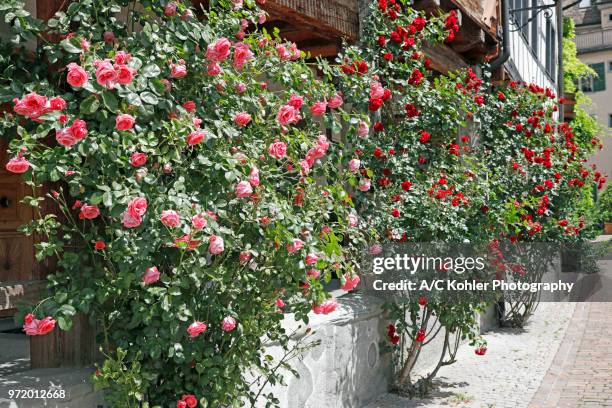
[89, 212]
[280, 303]
[237, 4]
[277, 150]
[318, 109]
[254, 176]
[198, 221]
[327, 307]
[65, 137]
[79, 129]
[30, 325]
[170, 218]
[124, 122]
[196, 328]
[240, 88]
[57, 103]
[195, 137]
[84, 44]
[77, 76]
[170, 9]
[213, 69]
[354, 165]
[151, 275]
[242, 119]
[296, 101]
[375, 249]
[376, 91]
[138, 159]
[242, 53]
[185, 242]
[311, 259]
[190, 401]
[125, 74]
[364, 184]
[18, 165]
[313, 273]
[228, 324]
[108, 37]
[336, 101]
[122, 57]
[105, 74]
[32, 105]
[219, 50]
[245, 256]
[353, 220]
[363, 129]
[350, 282]
[261, 17]
[288, 115]
[295, 245]
[181, 404]
[37, 327]
[283, 54]
[137, 207]
[243, 189]
[304, 167]
[216, 245]
[178, 70]
[130, 221]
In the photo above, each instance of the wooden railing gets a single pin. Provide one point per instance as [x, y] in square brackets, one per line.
[594, 40]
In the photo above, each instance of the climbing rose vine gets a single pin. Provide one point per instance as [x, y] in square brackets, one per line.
[201, 197]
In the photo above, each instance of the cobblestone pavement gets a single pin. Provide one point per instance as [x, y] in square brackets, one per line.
[581, 373]
[508, 376]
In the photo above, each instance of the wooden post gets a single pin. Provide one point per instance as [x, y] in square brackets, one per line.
[74, 348]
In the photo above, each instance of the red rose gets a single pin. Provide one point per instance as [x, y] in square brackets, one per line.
[420, 336]
[425, 136]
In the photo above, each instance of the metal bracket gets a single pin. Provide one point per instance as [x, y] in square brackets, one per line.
[546, 8]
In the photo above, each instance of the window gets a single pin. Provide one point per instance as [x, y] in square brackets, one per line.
[551, 50]
[609, 66]
[610, 120]
[594, 84]
[534, 29]
[585, 3]
[609, 17]
[599, 83]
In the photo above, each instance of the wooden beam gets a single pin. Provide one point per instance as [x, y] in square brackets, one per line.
[321, 50]
[335, 18]
[444, 59]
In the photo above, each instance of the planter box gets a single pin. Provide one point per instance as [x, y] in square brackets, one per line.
[608, 228]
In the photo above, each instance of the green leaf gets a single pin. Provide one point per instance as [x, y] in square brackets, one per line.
[149, 97]
[64, 323]
[69, 47]
[151, 70]
[89, 105]
[110, 101]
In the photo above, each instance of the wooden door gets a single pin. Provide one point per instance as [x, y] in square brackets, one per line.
[20, 275]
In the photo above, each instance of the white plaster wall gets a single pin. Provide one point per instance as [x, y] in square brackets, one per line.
[529, 68]
[601, 108]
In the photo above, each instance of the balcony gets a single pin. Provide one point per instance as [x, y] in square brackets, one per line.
[317, 26]
[597, 40]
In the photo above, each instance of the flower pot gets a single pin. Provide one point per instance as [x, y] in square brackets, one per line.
[608, 228]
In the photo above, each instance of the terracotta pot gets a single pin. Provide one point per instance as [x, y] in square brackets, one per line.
[608, 228]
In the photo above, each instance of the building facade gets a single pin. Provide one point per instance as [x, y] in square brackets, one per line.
[593, 21]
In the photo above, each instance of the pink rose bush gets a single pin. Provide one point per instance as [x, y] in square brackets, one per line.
[196, 146]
